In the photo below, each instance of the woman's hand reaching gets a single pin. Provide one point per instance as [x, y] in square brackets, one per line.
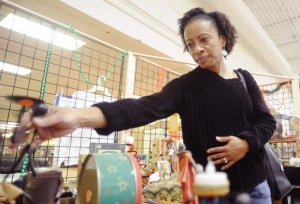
[58, 122]
[232, 151]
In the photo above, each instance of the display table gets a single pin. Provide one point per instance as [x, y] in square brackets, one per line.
[293, 174]
[163, 192]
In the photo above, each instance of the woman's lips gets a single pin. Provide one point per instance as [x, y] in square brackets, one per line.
[201, 60]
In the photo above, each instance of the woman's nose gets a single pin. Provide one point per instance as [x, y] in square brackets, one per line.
[197, 48]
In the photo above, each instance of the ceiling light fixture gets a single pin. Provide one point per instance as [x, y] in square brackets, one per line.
[38, 31]
[14, 69]
[8, 126]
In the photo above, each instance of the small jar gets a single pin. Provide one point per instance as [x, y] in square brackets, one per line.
[210, 185]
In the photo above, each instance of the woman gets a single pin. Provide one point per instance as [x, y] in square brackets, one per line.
[221, 120]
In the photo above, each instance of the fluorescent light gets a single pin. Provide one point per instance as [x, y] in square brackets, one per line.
[8, 126]
[8, 135]
[43, 33]
[14, 69]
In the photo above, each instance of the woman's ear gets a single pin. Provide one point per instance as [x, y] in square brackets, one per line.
[222, 40]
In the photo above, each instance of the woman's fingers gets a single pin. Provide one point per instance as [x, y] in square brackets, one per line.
[227, 154]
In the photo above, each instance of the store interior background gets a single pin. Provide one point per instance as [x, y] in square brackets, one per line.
[268, 46]
[268, 31]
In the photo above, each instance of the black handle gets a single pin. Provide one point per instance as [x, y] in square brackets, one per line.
[39, 109]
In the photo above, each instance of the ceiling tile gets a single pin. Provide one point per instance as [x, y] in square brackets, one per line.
[281, 21]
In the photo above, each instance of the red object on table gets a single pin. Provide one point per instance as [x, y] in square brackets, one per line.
[187, 175]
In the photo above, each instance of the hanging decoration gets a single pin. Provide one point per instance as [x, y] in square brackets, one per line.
[42, 90]
[277, 88]
[24, 165]
[266, 93]
[78, 60]
[161, 76]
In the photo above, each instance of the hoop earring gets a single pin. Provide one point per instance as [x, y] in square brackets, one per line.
[224, 53]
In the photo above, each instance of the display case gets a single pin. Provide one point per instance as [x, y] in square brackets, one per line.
[286, 147]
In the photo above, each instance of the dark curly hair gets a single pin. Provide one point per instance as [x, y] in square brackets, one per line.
[222, 23]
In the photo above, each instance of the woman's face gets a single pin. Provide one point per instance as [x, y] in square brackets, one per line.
[204, 43]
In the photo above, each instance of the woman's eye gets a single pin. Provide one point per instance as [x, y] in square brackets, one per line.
[190, 45]
[204, 40]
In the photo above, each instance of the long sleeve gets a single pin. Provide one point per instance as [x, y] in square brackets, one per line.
[130, 113]
[264, 124]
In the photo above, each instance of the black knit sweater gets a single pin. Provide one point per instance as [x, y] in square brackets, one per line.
[209, 106]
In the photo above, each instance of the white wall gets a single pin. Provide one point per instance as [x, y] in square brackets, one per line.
[134, 22]
[154, 23]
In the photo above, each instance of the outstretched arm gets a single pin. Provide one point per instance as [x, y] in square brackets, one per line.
[62, 121]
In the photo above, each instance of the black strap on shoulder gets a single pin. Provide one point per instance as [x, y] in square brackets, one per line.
[242, 78]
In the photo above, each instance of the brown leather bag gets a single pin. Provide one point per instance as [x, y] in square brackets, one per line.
[44, 188]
